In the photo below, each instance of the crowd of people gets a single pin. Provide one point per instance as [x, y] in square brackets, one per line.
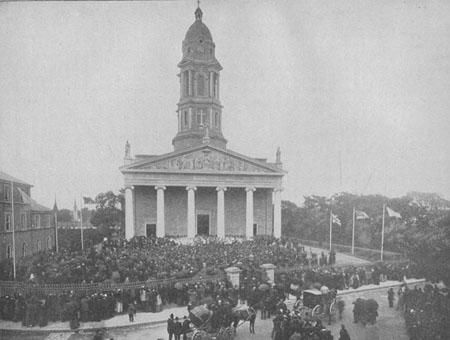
[144, 259]
[427, 312]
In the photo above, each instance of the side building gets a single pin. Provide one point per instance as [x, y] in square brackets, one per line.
[33, 223]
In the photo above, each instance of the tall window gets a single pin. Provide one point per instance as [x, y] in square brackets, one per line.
[24, 249]
[200, 85]
[186, 83]
[201, 118]
[23, 221]
[216, 120]
[6, 192]
[7, 221]
[36, 221]
[215, 85]
[49, 242]
[39, 245]
[8, 251]
[185, 120]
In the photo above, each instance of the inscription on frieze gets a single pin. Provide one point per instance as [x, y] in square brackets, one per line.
[205, 161]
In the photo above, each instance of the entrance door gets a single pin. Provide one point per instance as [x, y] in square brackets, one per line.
[202, 224]
[151, 230]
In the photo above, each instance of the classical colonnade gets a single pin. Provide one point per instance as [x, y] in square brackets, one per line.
[191, 218]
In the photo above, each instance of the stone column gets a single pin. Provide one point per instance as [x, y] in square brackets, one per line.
[160, 221]
[191, 211]
[221, 211]
[190, 118]
[277, 212]
[129, 212]
[249, 212]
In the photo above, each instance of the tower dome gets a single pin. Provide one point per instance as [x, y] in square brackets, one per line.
[198, 30]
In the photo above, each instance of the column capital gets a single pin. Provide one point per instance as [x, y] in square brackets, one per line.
[131, 187]
[160, 187]
[191, 187]
[221, 188]
[250, 189]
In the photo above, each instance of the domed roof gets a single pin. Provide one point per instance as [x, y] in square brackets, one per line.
[198, 30]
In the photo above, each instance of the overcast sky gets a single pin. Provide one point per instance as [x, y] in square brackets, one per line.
[364, 84]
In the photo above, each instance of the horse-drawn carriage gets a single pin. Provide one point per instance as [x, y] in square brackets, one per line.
[317, 303]
[217, 323]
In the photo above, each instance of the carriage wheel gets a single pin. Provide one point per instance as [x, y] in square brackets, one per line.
[317, 310]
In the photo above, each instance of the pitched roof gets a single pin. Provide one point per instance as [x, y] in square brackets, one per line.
[8, 178]
[34, 205]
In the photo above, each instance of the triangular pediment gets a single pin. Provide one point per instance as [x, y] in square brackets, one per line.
[204, 159]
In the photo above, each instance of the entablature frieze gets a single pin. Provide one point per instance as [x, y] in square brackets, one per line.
[229, 181]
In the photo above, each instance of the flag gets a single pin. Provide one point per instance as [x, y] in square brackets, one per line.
[392, 213]
[361, 215]
[88, 200]
[336, 220]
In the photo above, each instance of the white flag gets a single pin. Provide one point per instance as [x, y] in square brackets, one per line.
[336, 220]
[361, 215]
[392, 213]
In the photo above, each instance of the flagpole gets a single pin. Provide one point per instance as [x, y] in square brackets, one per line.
[353, 232]
[331, 226]
[13, 231]
[382, 233]
[81, 222]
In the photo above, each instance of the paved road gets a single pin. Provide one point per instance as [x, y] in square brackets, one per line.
[390, 325]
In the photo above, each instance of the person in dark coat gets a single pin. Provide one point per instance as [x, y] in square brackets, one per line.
[391, 295]
[170, 326]
[252, 319]
[343, 334]
[131, 312]
[185, 327]
[177, 329]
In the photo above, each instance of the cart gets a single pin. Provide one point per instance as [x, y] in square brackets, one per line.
[201, 318]
[315, 303]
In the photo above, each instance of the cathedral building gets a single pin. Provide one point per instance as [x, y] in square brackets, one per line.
[201, 187]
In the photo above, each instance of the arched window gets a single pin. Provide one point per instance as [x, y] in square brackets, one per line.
[200, 85]
[24, 249]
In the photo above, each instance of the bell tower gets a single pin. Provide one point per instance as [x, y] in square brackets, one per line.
[199, 109]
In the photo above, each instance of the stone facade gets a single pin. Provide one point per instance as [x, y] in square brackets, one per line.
[201, 187]
[33, 224]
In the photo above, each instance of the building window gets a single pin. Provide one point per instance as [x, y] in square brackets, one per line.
[39, 245]
[8, 252]
[186, 83]
[6, 192]
[23, 221]
[215, 85]
[185, 120]
[49, 243]
[201, 118]
[200, 85]
[24, 249]
[36, 221]
[7, 221]
[216, 120]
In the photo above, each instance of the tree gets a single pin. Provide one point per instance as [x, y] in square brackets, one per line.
[108, 212]
[65, 215]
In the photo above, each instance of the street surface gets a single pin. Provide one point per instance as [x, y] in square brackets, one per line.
[390, 325]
